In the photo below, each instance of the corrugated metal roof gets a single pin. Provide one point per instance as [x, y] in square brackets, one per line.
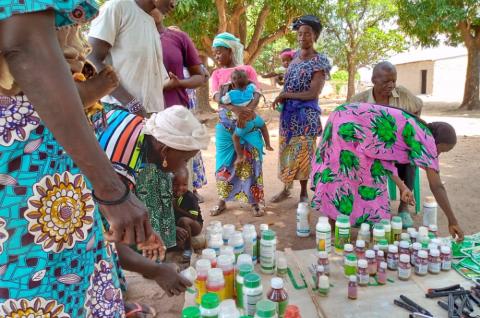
[428, 54]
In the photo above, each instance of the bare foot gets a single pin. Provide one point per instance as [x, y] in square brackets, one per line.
[98, 86]
[269, 148]
[239, 161]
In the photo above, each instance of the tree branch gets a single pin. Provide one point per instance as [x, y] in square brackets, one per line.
[252, 56]
[222, 15]
[259, 27]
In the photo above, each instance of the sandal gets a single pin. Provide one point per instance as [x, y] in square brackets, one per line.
[279, 197]
[218, 209]
[146, 310]
[258, 211]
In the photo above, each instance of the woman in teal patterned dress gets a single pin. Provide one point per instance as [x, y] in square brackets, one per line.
[54, 260]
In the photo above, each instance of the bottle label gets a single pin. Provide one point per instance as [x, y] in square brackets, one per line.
[434, 267]
[421, 268]
[303, 226]
[267, 257]
[250, 303]
[342, 237]
[404, 273]
[251, 248]
[239, 294]
[363, 279]
[446, 265]
[324, 242]
[392, 263]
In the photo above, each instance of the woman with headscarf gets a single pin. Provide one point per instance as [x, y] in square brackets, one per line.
[358, 151]
[300, 114]
[243, 183]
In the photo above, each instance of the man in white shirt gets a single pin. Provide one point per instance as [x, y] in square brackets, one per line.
[124, 35]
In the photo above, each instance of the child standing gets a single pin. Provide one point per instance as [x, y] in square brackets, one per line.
[241, 93]
[188, 216]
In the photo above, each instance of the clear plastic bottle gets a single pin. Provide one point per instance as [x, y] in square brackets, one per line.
[421, 264]
[252, 292]
[364, 234]
[303, 225]
[323, 260]
[215, 242]
[323, 235]
[372, 262]
[404, 267]
[342, 233]
[268, 250]
[225, 263]
[278, 295]
[227, 231]
[360, 249]
[446, 257]
[202, 267]
[228, 309]
[250, 241]
[352, 287]
[387, 226]
[434, 262]
[211, 255]
[378, 233]
[243, 271]
[397, 226]
[216, 283]
[265, 309]
[392, 258]
[209, 307]
[382, 273]
[350, 266]
[362, 273]
[236, 241]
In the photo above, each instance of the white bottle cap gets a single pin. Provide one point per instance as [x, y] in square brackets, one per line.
[405, 237]
[365, 227]
[404, 258]
[227, 231]
[209, 253]
[423, 231]
[404, 244]
[322, 254]
[190, 274]
[348, 248]
[277, 283]
[228, 309]
[383, 265]
[216, 224]
[203, 265]
[247, 228]
[417, 246]
[323, 219]
[414, 234]
[435, 253]
[445, 249]
[375, 247]
[411, 230]
[282, 262]
[224, 261]
[370, 254]
[215, 275]
[432, 246]
[392, 249]
[323, 282]
[360, 244]
[422, 254]
[353, 278]
[380, 254]
[363, 263]
[436, 241]
[433, 228]
[320, 268]
[226, 250]
[244, 259]
[263, 227]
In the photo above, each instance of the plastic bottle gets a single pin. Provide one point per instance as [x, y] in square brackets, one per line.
[342, 233]
[215, 242]
[278, 295]
[404, 267]
[250, 240]
[429, 211]
[191, 312]
[350, 266]
[380, 258]
[236, 241]
[446, 257]
[404, 248]
[392, 258]
[243, 271]
[383, 246]
[421, 264]
[347, 250]
[387, 226]
[320, 271]
[282, 266]
[405, 237]
[323, 285]
[268, 249]
[414, 236]
[191, 275]
[228, 309]
[323, 235]
[432, 230]
[211, 255]
[352, 287]
[263, 227]
[225, 263]
[372, 262]
[434, 262]
[303, 226]
[244, 259]
[202, 267]
[364, 234]
[216, 283]
[226, 250]
[214, 228]
[378, 233]
[362, 273]
[397, 228]
[265, 309]
[423, 235]
[209, 307]
[227, 232]
[323, 260]
[416, 247]
[382, 273]
[252, 292]
[360, 249]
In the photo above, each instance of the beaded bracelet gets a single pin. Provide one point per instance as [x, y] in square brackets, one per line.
[134, 106]
[122, 199]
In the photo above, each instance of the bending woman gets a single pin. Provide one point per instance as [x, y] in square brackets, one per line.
[359, 149]
[244, 184]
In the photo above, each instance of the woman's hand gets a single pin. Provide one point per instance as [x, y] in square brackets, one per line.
[173, 83]
[278, 100]
[456, 232]
[168, 278]
[154, 248]
[407, 196]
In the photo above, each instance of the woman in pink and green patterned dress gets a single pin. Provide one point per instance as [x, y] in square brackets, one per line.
[359, 148]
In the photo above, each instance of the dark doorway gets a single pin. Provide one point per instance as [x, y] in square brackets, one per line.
[423, 89]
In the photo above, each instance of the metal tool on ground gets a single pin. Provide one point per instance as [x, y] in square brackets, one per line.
[412, 307]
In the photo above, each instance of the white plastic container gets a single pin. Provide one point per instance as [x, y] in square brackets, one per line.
[210, 254]
[422, 234]
[227, 232]
[268, 251]
[323, 235]
[215, 242]
[303, 226]
[236, 241]
[212, 229]
[216, 283]
[228, 309]
[363, 276]
[429, 211]
[226, 250]
[250, 240]
[244, 259]
[364, 234]
[252, 293]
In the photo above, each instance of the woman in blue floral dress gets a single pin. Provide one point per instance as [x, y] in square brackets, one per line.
[300, 114]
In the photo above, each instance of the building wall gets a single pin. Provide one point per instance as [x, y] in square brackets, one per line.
[410, 76]
[449, 79]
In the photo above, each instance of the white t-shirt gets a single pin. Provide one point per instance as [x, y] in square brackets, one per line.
[136, 52]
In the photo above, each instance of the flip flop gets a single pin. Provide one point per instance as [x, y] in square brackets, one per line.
[218, 209]
[282, 196]
[146, 310]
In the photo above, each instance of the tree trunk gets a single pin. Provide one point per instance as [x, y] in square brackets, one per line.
[203, 96]
[351, 79]
[471, 95]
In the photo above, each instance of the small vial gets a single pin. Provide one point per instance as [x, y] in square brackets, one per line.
[347, 250]
[360, 249]
[362, 273]
[413, 236]
[323, 260]
[380, 258]
[404, 248]
[433, 229]
[382, 273]
[416, 247]
[392, 258]
[446, 258]
[404, 267]
[434, 262]
[421, 264]
[372, 262]
[352, 287]
[350, 266]
[320, 272]
[323, 285]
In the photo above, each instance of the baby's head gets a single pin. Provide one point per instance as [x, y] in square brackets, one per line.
[287, 56]
[239, 78]
[180, 182]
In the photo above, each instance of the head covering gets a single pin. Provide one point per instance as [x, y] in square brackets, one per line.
[229, 41]
[443, 133]
[310, 20]
[287, 53]
[177, 128]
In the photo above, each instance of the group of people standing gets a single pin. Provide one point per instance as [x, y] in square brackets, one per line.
[77, 206]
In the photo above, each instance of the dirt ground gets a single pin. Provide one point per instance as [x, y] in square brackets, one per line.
[460, 171]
